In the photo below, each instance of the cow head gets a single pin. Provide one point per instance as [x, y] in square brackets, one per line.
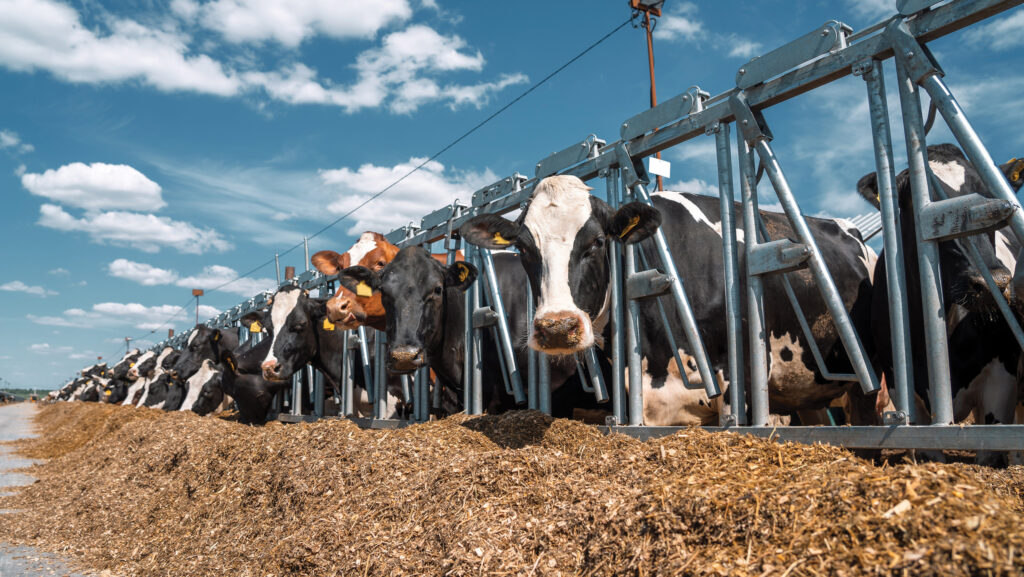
[962, 282]
[120, 370]
[142, 366]
[562, 238]
[350, 309]
[204, 393]
[294, 322]
[414, 288]
[203, 343]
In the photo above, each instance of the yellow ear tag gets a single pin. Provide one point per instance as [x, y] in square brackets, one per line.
[1017, 168]
[500, 240]
[255, 327]
[632, 224]
[463, 273]
[328, 325]
[106, 393]
[131, 365]
[216, 336]
[363, 289]
[230, 363]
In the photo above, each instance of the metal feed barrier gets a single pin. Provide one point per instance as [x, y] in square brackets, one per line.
[825, 54]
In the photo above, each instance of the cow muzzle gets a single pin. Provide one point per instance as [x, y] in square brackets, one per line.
[556, 333]
[345, 313]
[133, 374]
[406, 359]
[271, 371]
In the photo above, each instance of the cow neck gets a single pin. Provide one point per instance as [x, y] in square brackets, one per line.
[320, 364]
[449, 367]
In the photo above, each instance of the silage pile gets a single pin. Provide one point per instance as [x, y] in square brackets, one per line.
[513, 494]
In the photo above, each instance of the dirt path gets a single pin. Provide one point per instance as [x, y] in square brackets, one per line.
[16, 423]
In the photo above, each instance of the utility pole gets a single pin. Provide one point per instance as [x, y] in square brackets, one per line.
[127, 340]
[650, 8]
[197, 293]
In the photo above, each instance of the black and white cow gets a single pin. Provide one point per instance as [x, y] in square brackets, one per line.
[563, 237]
[425, 324]
[114, 391]
[203, 343]
[983, 354]
[149, 369]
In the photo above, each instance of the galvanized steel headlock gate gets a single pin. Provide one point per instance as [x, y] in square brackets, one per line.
[827, 53]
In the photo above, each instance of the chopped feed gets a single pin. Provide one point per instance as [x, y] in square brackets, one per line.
[142, 492]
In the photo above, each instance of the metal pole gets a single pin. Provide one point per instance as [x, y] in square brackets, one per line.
[826, 286]
[478, 360]
[544, 383]
[975, 150]
[504, 335]
[532, 399]
[380, 405]
[683, 308]
[755, 298]
[636, 388]
[618, 351]
[305, 245]
[296, 398]
[896, 281]
[733, 316]
[346, 375]
[932, 304]
[650, 67]
[364, 354]
[277, 268]
[317, 385]
[467, 357]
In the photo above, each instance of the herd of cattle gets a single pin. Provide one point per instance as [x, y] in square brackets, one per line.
[561, 241]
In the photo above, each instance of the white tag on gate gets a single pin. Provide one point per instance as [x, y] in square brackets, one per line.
[659, 167]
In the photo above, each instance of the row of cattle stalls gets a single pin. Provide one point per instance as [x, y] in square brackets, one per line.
[823, 55]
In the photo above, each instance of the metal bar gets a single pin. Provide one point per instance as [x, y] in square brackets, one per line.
[423, 384]
[683, 308]
[380, 405]
[979, 438]
[596, 376]
[543, 383]
[975, 150]
[477, 345]
[892, 238]
[668, 328]
[346, 376]
[296, 398]
[618, 348]
[504, 334]
[755, 300]
[635, 356]
[730, 250]
[406, 388]
[826, 286]
[932, 306]
[532, 399]
[305, 246]
[468, 349]
[318, 391]
[364, 357]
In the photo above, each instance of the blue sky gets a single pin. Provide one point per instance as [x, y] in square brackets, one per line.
[175, 144]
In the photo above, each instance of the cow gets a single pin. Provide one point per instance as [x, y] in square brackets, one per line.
[424, 301]
[203, 388]
[563, 237]
[350, 309]
[115, 389]
[203, 343]
[983, 354]
[148, 368]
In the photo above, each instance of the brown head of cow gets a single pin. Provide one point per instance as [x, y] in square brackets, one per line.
[351, 309]
[562, 238]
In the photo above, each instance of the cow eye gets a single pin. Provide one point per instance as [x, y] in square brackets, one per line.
[299, 326]
[380, 264]
[438, 290]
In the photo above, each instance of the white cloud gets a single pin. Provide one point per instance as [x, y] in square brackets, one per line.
[142, 273]
[112, 314]
[145, 232]
[872, 9]
[680, 24]
[18, 286]
[96, 186]
[60, 271]
[11, 141]
[48, 35]
[289, 22]
[423, 192]
[696, 185]
[1000, 34]
[210, 277]
[743, 48]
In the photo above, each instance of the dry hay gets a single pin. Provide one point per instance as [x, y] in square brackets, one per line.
[177, 494]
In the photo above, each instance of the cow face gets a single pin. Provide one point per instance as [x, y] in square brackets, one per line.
[204, 392]
[143, 365]
[563, 239]
[351, 309]
[962, 282]
[120, 370]
[415, 290]
[294, 322]
[203, 343]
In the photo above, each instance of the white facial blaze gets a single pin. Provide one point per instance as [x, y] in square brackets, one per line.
[284, 304]
[192, 336]
[867, 255]
[953, 174]
[366, 243]
[144, 382]
[196, 382]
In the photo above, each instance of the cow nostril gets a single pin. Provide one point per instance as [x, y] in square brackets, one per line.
[343, 305]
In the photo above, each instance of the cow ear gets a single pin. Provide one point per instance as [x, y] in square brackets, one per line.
[634, 222]
[460, 275]
[327, 261]
[254, 321]
[867, 186]
[360, 280]
[1014, 171]
[227, 358]
[489, 231]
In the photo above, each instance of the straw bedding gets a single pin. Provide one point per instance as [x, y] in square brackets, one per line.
[142, 492]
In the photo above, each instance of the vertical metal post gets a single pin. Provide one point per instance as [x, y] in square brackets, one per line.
[932, 305]
[316, 381]
[816, 264]
[406, 388]
[682, 302]
[422, 407]
[364, 354]
[532, 398]
[296, 398]
[277, 268]
[478, 360]
[618, 352]
[975, 150]
[467, 357]
[899, 314]
[346, 376]
[636, 388]
[380, 405]
[504, 334]
[543, 383]
[755, 297]
[305, 245]
[733, 316]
